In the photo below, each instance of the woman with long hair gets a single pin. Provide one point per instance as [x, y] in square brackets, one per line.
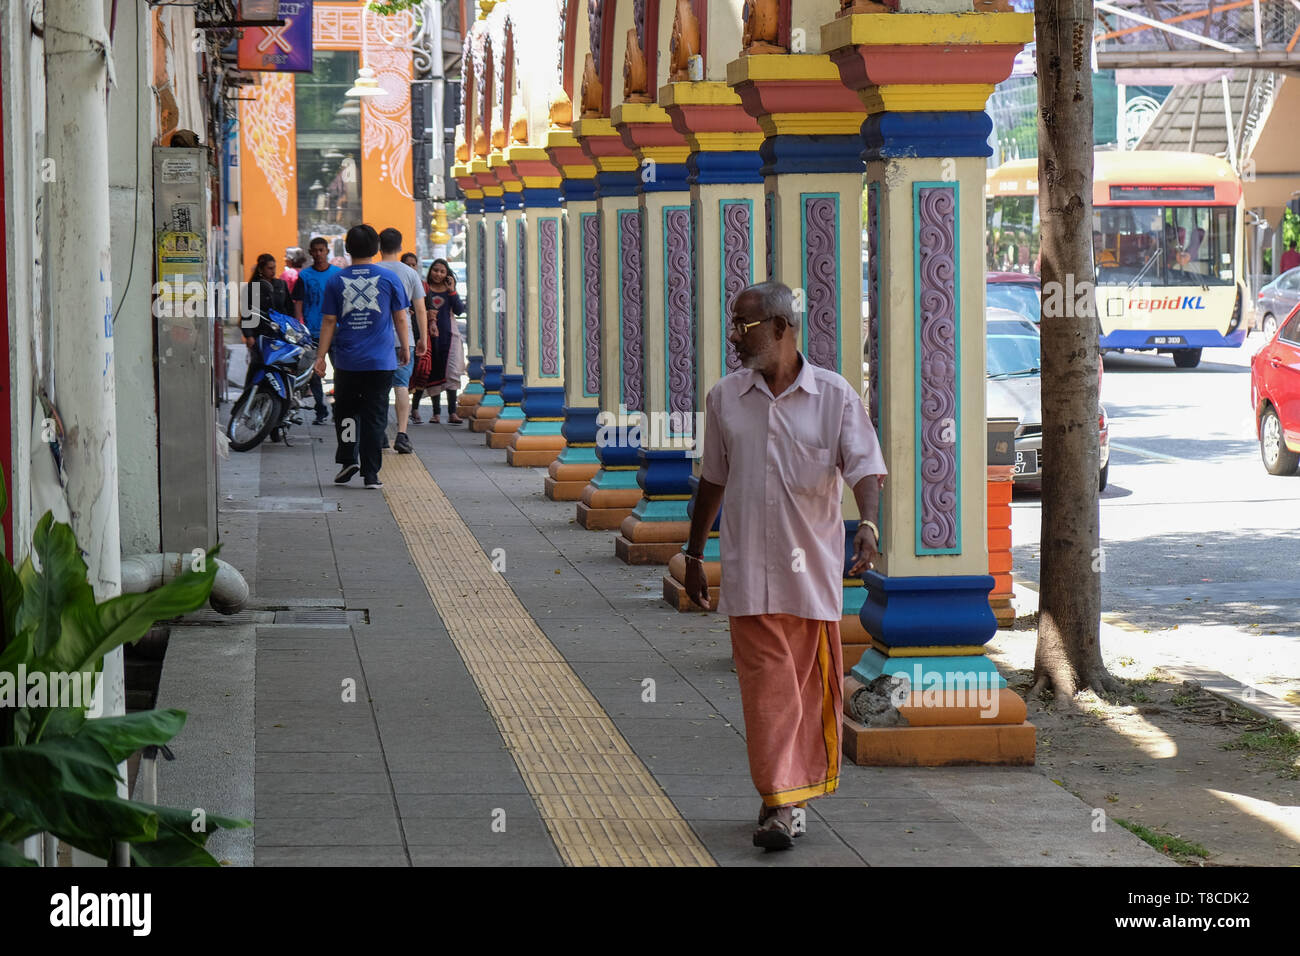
[442, 303]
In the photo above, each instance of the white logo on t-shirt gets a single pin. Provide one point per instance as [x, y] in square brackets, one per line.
[360, 294]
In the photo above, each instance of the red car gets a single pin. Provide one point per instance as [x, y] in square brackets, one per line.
[1275, 393]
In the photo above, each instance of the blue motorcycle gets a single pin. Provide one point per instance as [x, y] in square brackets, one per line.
[279, 378]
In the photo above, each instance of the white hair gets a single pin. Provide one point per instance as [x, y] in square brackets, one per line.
[775, 298]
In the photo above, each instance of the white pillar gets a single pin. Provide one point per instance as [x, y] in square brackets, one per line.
[80, 296]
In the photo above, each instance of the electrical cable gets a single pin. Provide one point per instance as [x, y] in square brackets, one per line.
[135, 220]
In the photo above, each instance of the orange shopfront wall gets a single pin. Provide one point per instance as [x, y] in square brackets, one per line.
[268, 145]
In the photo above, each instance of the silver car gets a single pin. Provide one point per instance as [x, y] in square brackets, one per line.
[1013, 391]
[1276, 300]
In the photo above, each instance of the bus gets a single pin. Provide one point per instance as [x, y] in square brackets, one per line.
[1168, 247]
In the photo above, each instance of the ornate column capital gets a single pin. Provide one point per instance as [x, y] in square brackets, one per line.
[710, 115]
[648, 131]
[795, 94]
[914, 62]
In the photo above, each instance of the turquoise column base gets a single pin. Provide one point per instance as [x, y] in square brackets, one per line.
[607, 480]
[490, 399]
[948, 673]
[578, 456]
[533, 427]
[473, 388]
[649, 509]
[511, 412]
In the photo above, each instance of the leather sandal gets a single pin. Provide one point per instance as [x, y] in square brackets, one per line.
[774, 833]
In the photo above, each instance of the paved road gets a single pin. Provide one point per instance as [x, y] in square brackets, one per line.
[1196, 533]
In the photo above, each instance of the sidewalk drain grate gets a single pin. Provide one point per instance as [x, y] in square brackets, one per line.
[323, 617]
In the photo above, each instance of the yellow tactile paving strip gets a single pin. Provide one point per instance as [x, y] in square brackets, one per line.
[600, 803]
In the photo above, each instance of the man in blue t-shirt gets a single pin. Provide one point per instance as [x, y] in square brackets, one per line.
[308, 297]
[364, 329]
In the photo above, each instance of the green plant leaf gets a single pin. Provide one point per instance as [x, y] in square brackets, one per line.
[17, 651]
[11, 597]
[60, 584]
[68, 786]
[122, 736]
[177, 843]
[11, 855]
[90, 632]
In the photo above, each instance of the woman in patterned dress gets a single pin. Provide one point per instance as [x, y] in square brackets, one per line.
[442, 303]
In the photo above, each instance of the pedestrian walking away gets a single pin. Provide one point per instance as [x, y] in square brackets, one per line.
[390, 250]
[780, 436]
[441, 304]
[308, 297]
[365, 331]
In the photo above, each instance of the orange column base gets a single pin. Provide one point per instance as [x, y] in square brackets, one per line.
[675, 584]
[565, 482]
[939, 735]
[502, 432]
[483, 417]
[603, 509]
[650, 542]
[535, 451]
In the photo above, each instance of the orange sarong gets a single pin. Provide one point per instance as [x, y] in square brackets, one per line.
[791, 689]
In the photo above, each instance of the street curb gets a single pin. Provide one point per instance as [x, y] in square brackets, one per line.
[1212, 681]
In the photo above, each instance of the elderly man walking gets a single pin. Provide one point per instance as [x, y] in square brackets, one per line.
[780, 434]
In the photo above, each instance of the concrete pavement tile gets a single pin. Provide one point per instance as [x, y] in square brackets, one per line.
[367, 855]
[431, 830]
[316, 831]
[343, 735]
[321, 762]
[836, 810]
[494, 761]
[459, 782]
[503, 855]
[486, 741]
[324, 804]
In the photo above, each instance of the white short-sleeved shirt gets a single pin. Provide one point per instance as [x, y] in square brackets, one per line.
[782, 460]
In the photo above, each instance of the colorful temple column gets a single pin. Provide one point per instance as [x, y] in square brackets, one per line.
[490, 243]
[727, 202]
[812, 166]
[659, 525]
[569, 474]
[925, 79]
[468, 398]
[511, 253]
[613, 492]
[538, 441]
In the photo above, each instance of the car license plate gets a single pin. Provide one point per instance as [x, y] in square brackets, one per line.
[1166, 340]
[1026, 462]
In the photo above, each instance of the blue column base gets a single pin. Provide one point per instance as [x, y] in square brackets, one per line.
[543, 401]
[664, 473]
[492, 377]
[929, 611]
[474, 369]
[580, 424]
[512, 389]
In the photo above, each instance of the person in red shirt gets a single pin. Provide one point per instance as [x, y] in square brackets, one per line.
[1290, 258]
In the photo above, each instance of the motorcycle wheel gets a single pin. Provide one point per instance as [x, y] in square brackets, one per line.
[253, 418]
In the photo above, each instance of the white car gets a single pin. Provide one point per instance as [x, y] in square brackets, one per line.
[1014, 368]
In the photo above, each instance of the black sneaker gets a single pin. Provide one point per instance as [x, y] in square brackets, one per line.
[374, 483]
[345, 474]
[322, 419]
[402, 444]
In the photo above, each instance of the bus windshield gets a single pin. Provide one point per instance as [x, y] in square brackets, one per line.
[1163, 245]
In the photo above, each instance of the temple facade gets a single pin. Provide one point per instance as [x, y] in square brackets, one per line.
[630, 166]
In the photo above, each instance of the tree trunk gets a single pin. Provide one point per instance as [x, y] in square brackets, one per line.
[1068, 657]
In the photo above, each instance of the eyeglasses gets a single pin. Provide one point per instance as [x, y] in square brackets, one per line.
[743, 327]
